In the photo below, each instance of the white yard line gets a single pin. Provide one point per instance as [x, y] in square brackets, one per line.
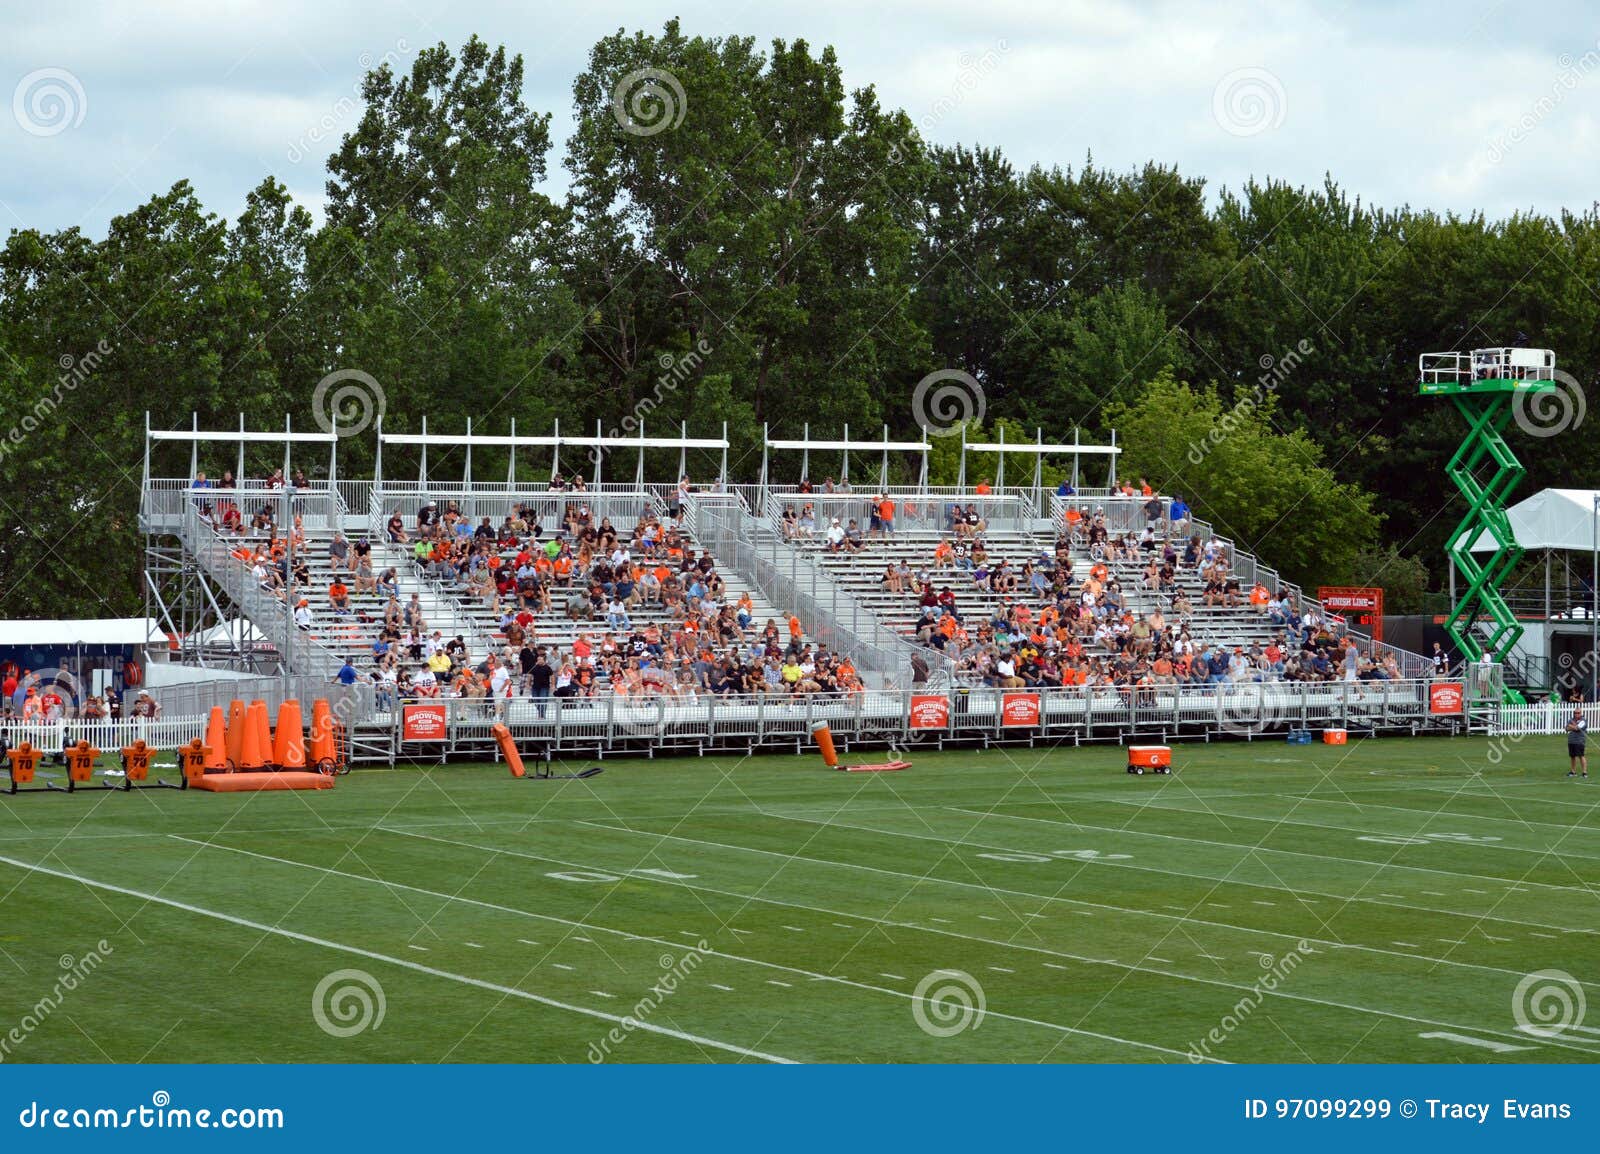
[1124, 865]
[991, 1012]
[995, 942]
[403, 963]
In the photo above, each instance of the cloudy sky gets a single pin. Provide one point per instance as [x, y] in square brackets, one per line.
[1472, 106]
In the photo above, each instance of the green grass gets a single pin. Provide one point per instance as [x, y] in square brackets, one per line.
[1425, 877]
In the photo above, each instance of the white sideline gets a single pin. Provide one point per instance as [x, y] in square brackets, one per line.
[814, 976]
[995, 942]
[507, 991]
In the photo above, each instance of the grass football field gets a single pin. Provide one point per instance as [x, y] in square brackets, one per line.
[1386, 901]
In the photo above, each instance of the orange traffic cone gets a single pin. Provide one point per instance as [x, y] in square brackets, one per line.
[323, 753]
[252, 753]
[235, 735]
[216, 741]
[289, 745]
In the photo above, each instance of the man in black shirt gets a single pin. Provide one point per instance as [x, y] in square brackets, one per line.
[537, 674]
[1577, 739]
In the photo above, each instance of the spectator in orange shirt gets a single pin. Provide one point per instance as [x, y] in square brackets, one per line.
[339, 597]
[983, 489]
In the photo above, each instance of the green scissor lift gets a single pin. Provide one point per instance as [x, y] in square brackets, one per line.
[1483, 385]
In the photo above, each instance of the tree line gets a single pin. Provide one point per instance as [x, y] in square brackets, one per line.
[745, 240]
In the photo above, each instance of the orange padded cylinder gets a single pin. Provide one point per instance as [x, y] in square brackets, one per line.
[216, 744]
[257, 715]
[235, 742]
[251, 755]
[508, 748]
[824, 739]
[323, 750]
[289, 745]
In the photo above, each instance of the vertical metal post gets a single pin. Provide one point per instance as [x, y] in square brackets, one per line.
[288, 589]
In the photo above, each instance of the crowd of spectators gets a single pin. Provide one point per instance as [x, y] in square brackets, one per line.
[1135, 614]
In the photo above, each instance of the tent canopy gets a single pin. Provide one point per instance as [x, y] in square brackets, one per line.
[63, 633]
[1561, 519]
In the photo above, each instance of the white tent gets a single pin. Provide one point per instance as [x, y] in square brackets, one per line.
[63, 633]
[1560, 519]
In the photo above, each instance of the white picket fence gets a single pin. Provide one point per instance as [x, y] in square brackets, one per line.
[1532, 720]
[106, 735]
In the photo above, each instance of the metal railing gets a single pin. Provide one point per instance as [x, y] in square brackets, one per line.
[269, 614]
[1009, 512]
[788, 579]
[1127, 515]
[979, 715]
[350, 703]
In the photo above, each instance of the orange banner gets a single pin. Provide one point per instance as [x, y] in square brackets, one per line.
[930, 712]
[422, 723]
[1019, 710]
[1444, 697]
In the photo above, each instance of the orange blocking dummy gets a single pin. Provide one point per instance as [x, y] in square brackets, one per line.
[24, 761]
[135, 763]
[80, 764]
[824, 739]
[289, 747]
[196, 758]
[508, 748]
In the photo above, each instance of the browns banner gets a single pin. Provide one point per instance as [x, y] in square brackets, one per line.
[930, 711]
[1444, 697]
[1019, 710]
[422, 723]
